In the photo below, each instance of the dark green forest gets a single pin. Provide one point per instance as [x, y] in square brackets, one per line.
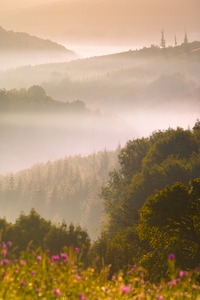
[32, 232]
[150, 200]
[152, 203]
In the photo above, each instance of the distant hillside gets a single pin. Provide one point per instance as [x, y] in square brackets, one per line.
[36, 128]
[17, 48]
[65, 189]
[117, 81]
[35, 100]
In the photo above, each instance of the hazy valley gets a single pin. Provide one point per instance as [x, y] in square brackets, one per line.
[100, 154]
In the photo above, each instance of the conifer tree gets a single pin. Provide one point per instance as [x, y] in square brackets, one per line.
[175, 41]
[185, 38]
[163, 41]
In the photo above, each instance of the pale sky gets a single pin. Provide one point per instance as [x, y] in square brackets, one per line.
[14, 4]
[104, 23]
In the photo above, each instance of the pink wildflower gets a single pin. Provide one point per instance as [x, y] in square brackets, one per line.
[4, 251]
[77, 250]
[3, 245]
[125, 289]
[37, 291]
[22, 262]
[173, 282]
[55, 258]
[171, 256]
[78, 277]
[183, 274]
[23, 283]
[9, 244]
[5, 262]
[39, 258]
[82, 297]
[64, 256]
[56, 292]
[159, 297]
[33, 273]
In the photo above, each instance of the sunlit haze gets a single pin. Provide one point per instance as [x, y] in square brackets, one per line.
[94, 23]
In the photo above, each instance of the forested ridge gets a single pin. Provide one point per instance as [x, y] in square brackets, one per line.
[151, 199]
[130, 80]
[34, 99]
[67, 189]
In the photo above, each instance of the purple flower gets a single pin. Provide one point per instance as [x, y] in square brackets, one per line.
[113, 277]
[9, 244]
[159, 297]
[77, 250]
[55, 258]
[173, 282]
[64, 256]
[142, 281]
[5, 262]
[23, 283]
[39, 258]
[56, 292]
[171, 256]
[3, 245]
[125, 289]
[22, 262]
[33, 273]
[78, 277]
[4, 251]
[183, 274]
[37, 291]
[81, 296]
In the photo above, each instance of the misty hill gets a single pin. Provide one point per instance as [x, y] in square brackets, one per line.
[35, 100]
[133, 79]
[36, 128]
[67, 189]
[19, 48]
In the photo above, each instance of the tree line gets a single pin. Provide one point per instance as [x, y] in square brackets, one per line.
[66, 189]
[152, 204]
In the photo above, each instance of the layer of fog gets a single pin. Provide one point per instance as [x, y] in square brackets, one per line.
[135, 92]
[33, 138]
[27, 140]
[16, 58]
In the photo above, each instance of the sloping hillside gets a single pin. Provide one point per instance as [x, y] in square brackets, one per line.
[17, 48]
[65, 189]
[36, 128]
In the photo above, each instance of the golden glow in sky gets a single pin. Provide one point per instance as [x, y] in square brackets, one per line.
[103, 22]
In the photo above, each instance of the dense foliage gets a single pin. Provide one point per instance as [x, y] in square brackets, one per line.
[152, 203]
[32, 232]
